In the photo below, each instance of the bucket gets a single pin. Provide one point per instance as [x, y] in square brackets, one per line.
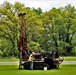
[45, 68]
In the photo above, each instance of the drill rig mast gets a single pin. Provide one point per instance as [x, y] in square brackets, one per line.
[23, 39]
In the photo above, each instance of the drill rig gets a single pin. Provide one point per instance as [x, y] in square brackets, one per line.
[22, 40]
[41, 60]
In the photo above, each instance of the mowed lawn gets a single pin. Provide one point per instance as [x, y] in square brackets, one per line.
[13, 70]
[9, 60]
[69, 58]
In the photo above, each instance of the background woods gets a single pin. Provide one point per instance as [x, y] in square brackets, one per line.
[47, 31]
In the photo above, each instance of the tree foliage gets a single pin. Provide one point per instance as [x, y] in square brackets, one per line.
[51, 30]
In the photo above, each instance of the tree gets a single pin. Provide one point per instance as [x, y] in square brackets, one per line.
[60, 29]
[9, 25]
[69, 27]
[38, 11]
[51, 30]
[34, 29]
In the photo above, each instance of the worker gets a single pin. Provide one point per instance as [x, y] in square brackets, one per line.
[31, 61]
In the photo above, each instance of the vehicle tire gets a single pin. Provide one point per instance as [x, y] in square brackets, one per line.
[57, 66]
[46, 65]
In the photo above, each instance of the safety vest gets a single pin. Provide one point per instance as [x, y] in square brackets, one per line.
[30, 58]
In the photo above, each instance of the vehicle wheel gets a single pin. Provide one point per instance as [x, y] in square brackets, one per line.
[46, 65]
[57, 66]
[26, 66]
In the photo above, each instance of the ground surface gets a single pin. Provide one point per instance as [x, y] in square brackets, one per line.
[13, 70]
[10, 67]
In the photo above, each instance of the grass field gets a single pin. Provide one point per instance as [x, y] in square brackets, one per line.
[9, 60]
[70, 58]
[13, 70]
